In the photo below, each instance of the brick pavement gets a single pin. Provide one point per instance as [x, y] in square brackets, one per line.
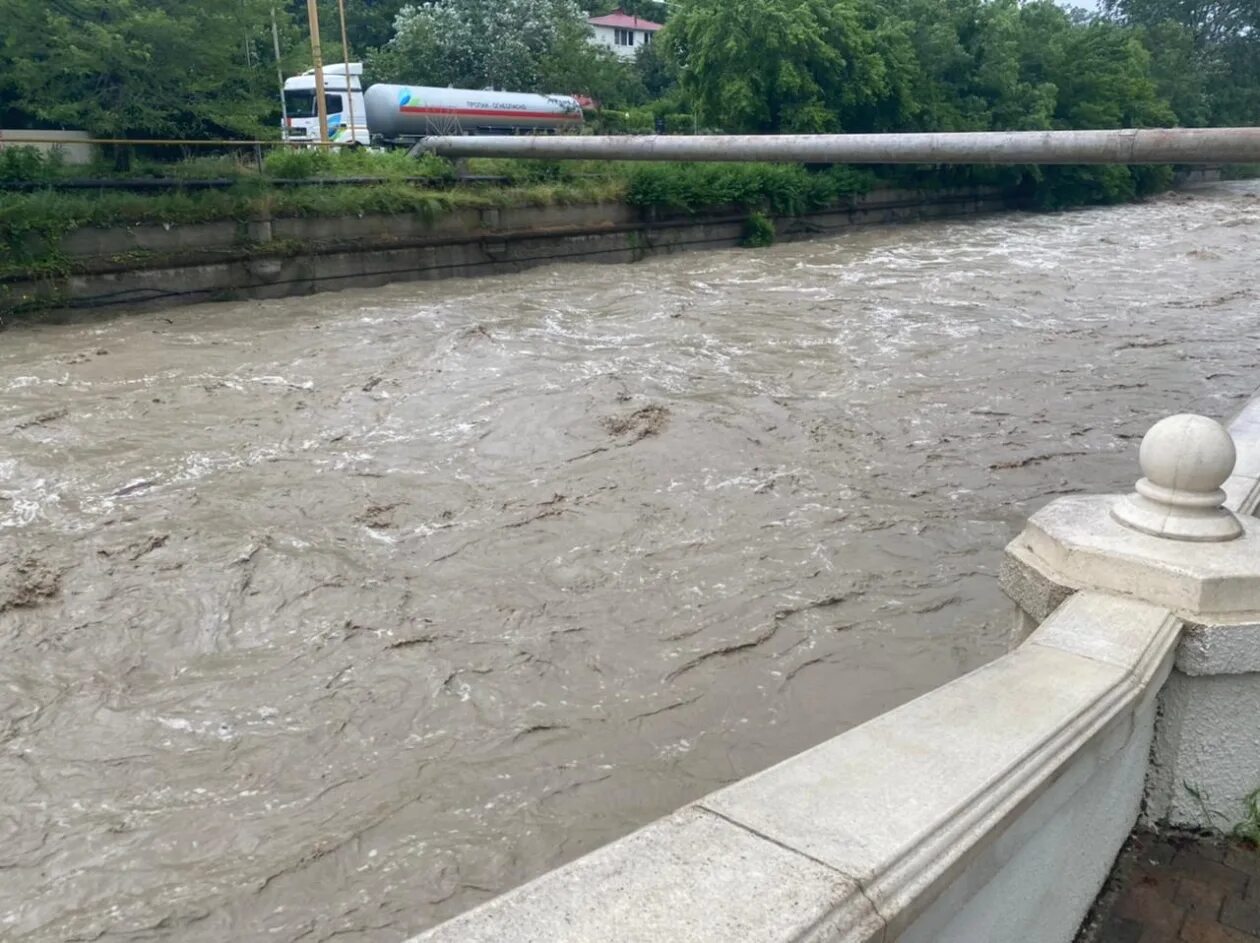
[1178, 888]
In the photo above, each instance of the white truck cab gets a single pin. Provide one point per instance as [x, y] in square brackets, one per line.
[343, 96]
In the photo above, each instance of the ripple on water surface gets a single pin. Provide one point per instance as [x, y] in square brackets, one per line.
[337, 615]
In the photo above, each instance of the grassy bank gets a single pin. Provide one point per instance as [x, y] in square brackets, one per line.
[33, 221]
[31, 224]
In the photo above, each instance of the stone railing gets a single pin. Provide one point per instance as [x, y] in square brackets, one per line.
[992, 808]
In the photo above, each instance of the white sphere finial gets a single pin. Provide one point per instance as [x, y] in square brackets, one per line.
[1185, 459]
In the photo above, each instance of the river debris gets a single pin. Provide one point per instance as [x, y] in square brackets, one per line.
[27, 583]
[640, 424]
[378, 516]
[142, 484]
[553, 507]
[42, 419]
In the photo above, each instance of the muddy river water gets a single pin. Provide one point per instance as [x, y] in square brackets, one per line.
[334, 616]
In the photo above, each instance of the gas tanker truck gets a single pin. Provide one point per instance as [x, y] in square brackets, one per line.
[400, 115]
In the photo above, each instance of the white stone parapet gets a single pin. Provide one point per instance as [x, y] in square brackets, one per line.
[988, 809]
[1187, 540]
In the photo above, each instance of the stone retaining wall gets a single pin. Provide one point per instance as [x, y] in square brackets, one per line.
[159, 265]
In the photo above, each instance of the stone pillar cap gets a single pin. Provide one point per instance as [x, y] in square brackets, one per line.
[1185, 459]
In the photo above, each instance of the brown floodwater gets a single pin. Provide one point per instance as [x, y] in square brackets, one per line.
[334, 616]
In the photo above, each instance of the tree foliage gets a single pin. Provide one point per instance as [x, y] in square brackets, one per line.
[513, 44]
[953, 65]
[168, 68]
[369, 23]
[780, 65]
[1210, 22]
[656, 11]
[191, 68]
[1205, 55]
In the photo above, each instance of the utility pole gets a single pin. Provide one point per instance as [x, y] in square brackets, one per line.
[321, 107]
[275, 42]
[345, 54]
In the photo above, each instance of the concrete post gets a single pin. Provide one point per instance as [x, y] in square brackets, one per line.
[1173, 542]
[1185, 460]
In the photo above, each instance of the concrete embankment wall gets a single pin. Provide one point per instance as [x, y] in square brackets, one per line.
[268, 258]
[990, 809]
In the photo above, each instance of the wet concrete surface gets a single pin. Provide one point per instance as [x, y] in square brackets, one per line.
[332, 617]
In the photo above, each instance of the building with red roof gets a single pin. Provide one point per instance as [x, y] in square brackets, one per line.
[622, 33]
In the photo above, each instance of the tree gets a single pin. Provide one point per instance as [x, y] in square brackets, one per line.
[655, 71]
[162, 68]
[1183, 74]
[1211, 22]
[574, 65]
[479, 43]
[369, 23]
[780, 65]
[655, 10]
[965, 74]
[1217, 83]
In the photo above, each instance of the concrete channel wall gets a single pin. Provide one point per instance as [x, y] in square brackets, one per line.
[163, 265]
[154, 266]
[988, 810]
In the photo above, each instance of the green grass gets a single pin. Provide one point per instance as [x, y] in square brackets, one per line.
[1240, 171]
[32, 223]
[784, 189]
[304, 163]
[25, 164]
[758, 231]
[1248, 829]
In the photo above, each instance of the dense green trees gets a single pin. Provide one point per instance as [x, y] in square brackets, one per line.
[780, 65]
[189, 68]
[515, 44]
[170, 68]
[816, 65]
[1206, 55]
[655, 10]
[477, 43]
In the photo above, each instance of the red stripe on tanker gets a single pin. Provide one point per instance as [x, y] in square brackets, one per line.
[486, 112]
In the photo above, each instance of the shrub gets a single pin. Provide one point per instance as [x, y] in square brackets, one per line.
[303, 163]
[758, 231]
[28, 164]
[680, 123]
[1059, 187]
[298, 163]
[786, 189]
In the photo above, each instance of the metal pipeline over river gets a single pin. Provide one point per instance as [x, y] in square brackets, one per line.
[326, 618]
[1133, 146]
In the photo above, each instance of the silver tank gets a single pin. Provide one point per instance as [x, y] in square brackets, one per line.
[397, 111]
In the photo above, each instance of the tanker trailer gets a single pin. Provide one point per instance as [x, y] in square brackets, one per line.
[402, 114]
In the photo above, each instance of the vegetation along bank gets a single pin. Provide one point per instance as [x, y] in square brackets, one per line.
[177, 69]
